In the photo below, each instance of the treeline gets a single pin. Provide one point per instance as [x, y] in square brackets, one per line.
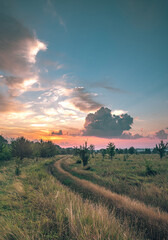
[23, 148]
[84, 152]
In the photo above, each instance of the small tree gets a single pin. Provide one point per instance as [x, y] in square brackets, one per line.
[111, 150]
[76, 151]
[21, 148]
[84, 154]
[92, 148]
[147, 151]
[103, 153]
[131, 150]
[161, 148]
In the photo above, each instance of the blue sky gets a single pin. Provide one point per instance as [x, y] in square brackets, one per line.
[116, 50]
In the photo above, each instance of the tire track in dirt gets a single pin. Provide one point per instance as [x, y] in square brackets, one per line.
[144, 218]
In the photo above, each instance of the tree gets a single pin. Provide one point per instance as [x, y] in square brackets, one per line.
[119, 151]
[5, 153]
[147, 151]
[161, 148]
[92, 148]
[84, 154]
[48, 149]
[103, 152]
[111, 150]
[21, 148]
[76, 151]
[3, 142]
[131, 150]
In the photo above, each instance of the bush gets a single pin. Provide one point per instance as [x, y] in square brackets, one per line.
[78, 161]
[17, 171]
[149, 169]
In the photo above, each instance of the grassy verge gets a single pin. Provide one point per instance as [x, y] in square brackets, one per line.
[36, 206]
[144, 219]
[128, 177]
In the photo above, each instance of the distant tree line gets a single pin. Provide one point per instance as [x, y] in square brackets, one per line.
[23, 148]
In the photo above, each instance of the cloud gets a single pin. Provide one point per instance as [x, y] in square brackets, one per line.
[59, 133]
[8, 104]
[103, 124]
[130, 136]
[18, 49]
[83, 100]
[161, 134]
[105, 85]
[51, 8]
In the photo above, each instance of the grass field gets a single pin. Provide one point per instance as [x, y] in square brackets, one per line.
[128, 176]
[36, 206]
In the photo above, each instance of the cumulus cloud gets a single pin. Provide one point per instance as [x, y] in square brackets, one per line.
[161, 134]
[103, 124]
[57, 133]
[18, 49]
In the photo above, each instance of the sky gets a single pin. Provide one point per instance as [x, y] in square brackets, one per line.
[75, 71]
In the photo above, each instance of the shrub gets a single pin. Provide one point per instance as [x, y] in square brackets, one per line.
[78, 161]
[17, 171]
[149, 169]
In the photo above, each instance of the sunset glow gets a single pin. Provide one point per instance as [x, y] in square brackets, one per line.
[70, 79]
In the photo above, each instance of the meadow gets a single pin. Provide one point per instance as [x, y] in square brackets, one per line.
[126, 198]
[140, 176]
[34, 205]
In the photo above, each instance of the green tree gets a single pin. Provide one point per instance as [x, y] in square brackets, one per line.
[147, 151]
[76, 151]
[161, 148]
[21, 148]
[47, 149]
[3, 142]
[111, 150]
[103, 152]
[84, 154]
[92, 148]
[5, 151]
[131, 150]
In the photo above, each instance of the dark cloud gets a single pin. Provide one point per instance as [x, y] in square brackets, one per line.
[15, 42]
[57, 133]
[103, 124]
[18, 49]
[161, 134]
[83, 100]
[130, 136]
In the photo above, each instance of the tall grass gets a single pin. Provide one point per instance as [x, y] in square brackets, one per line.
[142, 217]
[35, 206]
[128, 177]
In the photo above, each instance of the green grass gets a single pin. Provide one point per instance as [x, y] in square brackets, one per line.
[128, 177]
[36, 206]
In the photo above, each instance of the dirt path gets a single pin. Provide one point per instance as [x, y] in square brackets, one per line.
[148, 219]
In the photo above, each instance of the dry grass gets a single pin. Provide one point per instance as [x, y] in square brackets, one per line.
[36, 206]
[127, 177]
[148, 218]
